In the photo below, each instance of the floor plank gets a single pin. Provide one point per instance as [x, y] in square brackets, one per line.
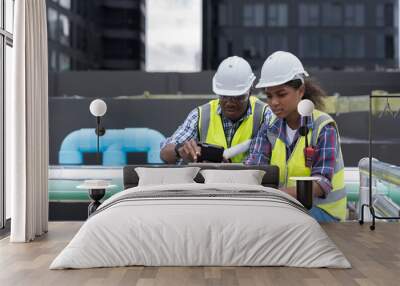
[374, 255]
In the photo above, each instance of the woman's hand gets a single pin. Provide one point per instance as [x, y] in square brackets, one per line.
[290, 191]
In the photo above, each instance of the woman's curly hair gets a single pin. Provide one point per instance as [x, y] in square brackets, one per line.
[312, 91]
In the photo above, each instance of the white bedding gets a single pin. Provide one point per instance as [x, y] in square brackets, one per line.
[187, 230]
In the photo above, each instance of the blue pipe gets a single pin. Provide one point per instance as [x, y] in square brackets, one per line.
[114, 145]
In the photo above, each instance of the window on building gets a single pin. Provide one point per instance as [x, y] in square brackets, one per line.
[354, 15]
[277, 43]
[380, 46]
[64, 26]
[389, 14]
[354, 46]
[385, 47]
[277, 15]
[332, 46]
[253, 47]
[121, 48]
[52, 60]
[222, 17]
[9, 11]
[121, 18]
[52, 20]
[309, 46]
[64, 62]
[380, 15]
[8, 89]
[81, 38]
[389, 47]
[222, 47]
[308, 14]
[81, 7]
[332, 14]
[65, 4]
[385, 14]
[6, 65]
[253, 15]
[224, 14]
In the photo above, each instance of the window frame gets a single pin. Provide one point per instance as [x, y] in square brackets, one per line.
[6, 39]
[277, 15]
[305, 16]
[254, 15]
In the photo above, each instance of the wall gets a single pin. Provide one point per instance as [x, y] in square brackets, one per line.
[68, 113]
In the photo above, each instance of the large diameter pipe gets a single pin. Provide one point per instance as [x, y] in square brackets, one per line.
[381, 170]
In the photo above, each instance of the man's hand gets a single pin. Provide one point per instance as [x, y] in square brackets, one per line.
[190, 151]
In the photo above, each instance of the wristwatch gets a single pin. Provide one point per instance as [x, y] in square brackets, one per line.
[177, 146]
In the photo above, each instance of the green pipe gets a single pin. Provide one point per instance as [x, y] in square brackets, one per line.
[65, 190]
[391, 191]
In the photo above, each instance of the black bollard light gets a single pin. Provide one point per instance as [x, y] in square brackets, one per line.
[304, 193]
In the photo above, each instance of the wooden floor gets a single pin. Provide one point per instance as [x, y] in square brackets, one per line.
[374, 255]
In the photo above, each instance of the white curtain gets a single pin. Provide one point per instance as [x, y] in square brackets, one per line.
[27, 124]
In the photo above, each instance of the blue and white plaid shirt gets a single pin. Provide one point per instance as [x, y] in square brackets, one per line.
[189, 129]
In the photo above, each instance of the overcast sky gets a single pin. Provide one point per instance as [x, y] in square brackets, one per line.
[173, 35]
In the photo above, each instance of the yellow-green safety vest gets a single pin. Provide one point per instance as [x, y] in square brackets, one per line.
[211, 129]
[336, 200]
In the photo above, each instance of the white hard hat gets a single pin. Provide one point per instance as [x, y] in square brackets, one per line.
[279, 68]
[234, 77]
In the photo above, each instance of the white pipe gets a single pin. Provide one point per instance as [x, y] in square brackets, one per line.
[237, 149]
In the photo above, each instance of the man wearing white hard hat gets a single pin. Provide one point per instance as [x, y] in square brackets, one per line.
[290, 123]
[227, 121]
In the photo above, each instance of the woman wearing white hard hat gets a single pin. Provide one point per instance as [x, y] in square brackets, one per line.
[281, 139]
[231, 120]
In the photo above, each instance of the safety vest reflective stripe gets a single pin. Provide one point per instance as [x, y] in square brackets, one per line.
[321, 121]
[331, 198]
[204, 119]
[258, 116]
[321, 118]
[339, 161]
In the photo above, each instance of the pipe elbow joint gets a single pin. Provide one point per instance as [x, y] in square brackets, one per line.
[115, 155]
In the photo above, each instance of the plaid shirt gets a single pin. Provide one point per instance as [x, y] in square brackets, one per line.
[325, 150]
[189, 129]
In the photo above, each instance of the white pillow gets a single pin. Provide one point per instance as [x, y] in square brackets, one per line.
[248, 177]
[166, 176]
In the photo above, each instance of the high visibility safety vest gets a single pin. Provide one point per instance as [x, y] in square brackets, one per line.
[336, 200]
[211, 130]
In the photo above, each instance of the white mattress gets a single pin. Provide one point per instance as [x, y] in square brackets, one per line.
[190, 230]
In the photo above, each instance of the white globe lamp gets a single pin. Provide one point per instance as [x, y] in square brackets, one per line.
[98, 108]
[305, 107]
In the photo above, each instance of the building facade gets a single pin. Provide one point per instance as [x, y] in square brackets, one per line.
[96, 34]
[329, 34]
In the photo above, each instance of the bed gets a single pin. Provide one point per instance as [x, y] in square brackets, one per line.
[201, 224]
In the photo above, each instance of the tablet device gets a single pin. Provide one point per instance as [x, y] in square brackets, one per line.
[210, 153]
